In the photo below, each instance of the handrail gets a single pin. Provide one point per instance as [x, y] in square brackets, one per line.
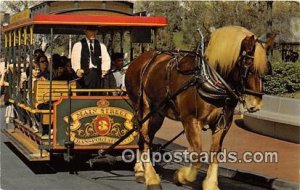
[29, 108]
[89, 90]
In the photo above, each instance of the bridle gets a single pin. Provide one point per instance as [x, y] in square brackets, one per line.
[244, 70]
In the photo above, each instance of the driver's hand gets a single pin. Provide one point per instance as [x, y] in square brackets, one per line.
[80, 73]
[104, 73]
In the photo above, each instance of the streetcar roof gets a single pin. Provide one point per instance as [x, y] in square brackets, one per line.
[73, 24]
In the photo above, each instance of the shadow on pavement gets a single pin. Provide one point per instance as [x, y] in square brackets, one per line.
[240, 123]
[59, 165]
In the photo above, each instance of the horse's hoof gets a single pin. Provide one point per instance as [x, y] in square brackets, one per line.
[140, 179]
[206, 185]
[154, 187]
[176, 180]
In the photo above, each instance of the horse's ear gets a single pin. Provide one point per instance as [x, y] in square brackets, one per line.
[252, 41]
[248, 44]
[270, 42]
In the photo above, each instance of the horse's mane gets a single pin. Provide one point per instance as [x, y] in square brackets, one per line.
[260, 59]
[224, 48]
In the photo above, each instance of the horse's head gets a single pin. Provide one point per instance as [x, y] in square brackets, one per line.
[251, 66]
[241, 60]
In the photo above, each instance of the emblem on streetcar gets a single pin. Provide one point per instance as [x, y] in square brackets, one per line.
[102, 125]
[103, 103]
[104, 122]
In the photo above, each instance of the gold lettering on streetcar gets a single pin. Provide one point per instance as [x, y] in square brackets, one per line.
[102, 129]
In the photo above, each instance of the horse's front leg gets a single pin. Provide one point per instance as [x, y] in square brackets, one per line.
[152, 179]
[144, 170]
[188, 174]
[218, 135]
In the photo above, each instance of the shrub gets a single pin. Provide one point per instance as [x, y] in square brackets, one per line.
[284, 79]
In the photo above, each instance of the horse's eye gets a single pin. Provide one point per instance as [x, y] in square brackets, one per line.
[248, 63]
[251, 69]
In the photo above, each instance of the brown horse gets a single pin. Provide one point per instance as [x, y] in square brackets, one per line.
[154, 77]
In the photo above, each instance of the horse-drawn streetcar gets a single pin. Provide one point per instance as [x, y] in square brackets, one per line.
[56, 116]
[199, 88]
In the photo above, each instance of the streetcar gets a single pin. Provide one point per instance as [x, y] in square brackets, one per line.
[56, 117]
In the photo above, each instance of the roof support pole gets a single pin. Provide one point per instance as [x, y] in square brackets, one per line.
[10, 74]
[131, 47]
[5, 49]
[14, 64]
[30, 65]
[70, 46]
[112, 35]
[51, 77]
[121, 41]
[19, 64]
[5, 61]
[155, 39]
[25, 60]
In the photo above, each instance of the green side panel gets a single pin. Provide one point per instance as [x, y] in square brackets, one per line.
[95, 122]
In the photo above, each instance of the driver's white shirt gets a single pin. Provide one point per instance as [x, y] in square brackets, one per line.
[76, 57]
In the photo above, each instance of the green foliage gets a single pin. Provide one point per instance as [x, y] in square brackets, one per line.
[170, 9]
[178, 41]
[187, 16]
[284, 79]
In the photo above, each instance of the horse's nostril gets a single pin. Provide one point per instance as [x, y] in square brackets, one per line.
[253, 109]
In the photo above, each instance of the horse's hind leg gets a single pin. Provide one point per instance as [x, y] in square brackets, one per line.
[188, 174]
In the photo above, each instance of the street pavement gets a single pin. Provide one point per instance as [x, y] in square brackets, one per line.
[19, 174]
[240, 140]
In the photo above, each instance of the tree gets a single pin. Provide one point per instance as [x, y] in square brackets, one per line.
[187, 16]
[16, 6]
[172, 10]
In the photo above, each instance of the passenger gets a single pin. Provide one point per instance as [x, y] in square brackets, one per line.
[40, 62]
[69, 72]
[44, 73]
[56, 60]
[115, 78]
[37, 54]
[90, 59]
[57, 67]
[36, 67]
[118, 69]
[3, 83]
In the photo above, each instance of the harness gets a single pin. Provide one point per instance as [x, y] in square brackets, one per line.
[209, 84]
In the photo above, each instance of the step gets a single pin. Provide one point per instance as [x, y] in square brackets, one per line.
[26, 146]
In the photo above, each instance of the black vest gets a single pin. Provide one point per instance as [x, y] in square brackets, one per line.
[85, 55]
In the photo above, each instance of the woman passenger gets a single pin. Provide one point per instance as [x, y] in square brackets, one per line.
[36, 65]
[44, 72]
